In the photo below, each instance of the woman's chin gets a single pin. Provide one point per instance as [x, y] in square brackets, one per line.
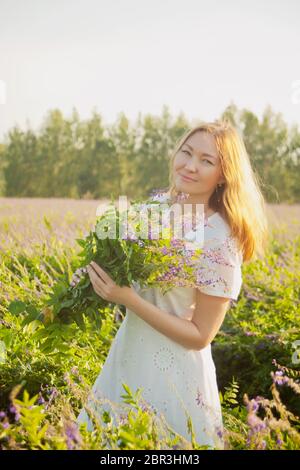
[183, 186]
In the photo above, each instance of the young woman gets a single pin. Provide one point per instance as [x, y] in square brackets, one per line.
[163, 346]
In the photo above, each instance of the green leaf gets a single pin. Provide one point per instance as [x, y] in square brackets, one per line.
[16, 307]
[80, 242]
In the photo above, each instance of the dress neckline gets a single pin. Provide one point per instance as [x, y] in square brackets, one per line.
[206, 219]
[212, 215]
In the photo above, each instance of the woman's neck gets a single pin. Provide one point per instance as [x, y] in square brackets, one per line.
[194, 200]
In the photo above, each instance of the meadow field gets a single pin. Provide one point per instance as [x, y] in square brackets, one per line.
[46, 370]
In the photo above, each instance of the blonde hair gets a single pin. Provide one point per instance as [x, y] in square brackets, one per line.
[241, 202]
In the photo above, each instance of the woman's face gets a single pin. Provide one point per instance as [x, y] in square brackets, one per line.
[197, 167]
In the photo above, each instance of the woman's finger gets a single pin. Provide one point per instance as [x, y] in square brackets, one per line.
[92, 270]
[106, 278]
[95, 283]
[95, 276]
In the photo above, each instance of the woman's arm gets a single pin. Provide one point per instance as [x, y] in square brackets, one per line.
[197, 333]
[180, 330]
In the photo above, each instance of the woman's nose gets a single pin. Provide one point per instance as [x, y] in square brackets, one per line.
[191, 164]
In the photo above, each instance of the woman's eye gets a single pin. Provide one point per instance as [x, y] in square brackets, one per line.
[205, 159]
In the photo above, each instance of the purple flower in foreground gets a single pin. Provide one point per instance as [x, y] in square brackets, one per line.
[12, 409]
[164, 250]
[279, 378]
[123, 419]
[253, 405]
[144, 407]
[271, 336]
[40, 400]
[72, 434]
[251, 296]
[256, 424]
[263, 444]
[52, 391]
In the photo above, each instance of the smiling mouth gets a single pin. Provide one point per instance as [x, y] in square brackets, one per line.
[186, 178]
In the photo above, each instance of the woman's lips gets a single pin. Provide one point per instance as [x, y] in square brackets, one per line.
[186, 178]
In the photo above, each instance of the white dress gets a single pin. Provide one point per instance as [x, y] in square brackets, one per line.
[175, 381]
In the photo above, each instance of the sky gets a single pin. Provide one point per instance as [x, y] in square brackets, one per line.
[135, 56]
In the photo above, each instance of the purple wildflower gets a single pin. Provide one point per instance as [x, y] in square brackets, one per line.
[144, 407]
[164, 250]
[279, 378]
[271, 336]
[41, 400]
[256, 424]
[263, 444]
[12, 409]
[72, 434]
[253, 405]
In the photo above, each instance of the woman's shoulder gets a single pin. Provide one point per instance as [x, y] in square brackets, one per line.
[219, 264]
[219, 243]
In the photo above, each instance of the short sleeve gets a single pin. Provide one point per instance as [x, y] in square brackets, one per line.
[218, 269]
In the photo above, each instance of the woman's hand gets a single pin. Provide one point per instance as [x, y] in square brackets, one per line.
[106, 288]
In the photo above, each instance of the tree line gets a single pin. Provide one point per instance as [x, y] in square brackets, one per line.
[74, 158]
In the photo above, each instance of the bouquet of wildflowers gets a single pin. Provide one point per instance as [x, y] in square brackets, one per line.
[129, 250]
